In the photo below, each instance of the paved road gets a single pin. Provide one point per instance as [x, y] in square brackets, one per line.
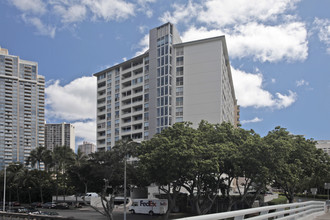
[87, 213]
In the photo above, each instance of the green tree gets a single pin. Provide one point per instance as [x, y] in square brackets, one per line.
[39, 155]
[167, 158]
[62, 157]
[293, 160]
[108, 173]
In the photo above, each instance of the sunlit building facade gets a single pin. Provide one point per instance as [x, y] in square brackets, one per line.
[60, 134]
[173, 81]
[22, 107]
[87, 148]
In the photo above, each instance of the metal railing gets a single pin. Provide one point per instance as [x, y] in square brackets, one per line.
[286, 211]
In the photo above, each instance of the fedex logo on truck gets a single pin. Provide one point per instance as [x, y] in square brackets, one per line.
[149, 203]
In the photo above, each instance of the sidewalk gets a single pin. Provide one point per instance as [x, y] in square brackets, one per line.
[325, 216]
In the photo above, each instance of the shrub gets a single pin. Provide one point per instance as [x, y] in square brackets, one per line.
[279, 200]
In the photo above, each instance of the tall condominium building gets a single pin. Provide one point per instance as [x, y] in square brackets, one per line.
[59, 135]
[324, 145]
[171, 82]
[22, 103]
[87, 148]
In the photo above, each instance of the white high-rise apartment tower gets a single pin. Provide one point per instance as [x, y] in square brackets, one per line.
[22, 103]
[171, 82]
[62, 134]
[87, 148]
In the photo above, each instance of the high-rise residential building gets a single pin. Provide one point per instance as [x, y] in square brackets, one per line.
[173, 81]
[324, 145]
[87, 148]
[61, 134]
[22, 103]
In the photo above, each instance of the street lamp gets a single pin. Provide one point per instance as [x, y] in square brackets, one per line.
[4, 191]
[4, 188]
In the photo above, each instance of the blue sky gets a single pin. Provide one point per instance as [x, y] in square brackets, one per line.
[279, 52]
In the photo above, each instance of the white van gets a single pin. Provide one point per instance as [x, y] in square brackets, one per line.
[149, 206]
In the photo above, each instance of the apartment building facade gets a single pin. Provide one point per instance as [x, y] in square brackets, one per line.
[87, 148]
[61, 134]
[22, 103]
[323, 145]
[171, 82]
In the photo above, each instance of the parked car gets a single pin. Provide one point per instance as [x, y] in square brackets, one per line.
[49, 205]
[14, 203]
[62, 205]
[36, 204]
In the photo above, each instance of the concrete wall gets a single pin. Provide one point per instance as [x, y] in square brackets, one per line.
[202, 82]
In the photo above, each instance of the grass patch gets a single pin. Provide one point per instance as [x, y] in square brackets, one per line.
[279, 200]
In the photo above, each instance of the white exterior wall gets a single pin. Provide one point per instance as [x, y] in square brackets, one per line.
[202, 82]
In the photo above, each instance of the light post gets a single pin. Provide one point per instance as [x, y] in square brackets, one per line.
[4, 187]
[125, 187]
[4, 191]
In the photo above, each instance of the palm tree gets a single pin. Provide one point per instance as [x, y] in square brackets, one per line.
[39, 155]
[63, 157]
[14, 176]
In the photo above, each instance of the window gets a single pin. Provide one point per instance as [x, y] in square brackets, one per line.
[179, 91]
[179, 119]
[179, 81]
[179, 71]
[179, 111]
[179, 61]
[102, 76]
[179, 51]
[179, 101]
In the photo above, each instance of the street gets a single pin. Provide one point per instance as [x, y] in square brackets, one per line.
[87, 213]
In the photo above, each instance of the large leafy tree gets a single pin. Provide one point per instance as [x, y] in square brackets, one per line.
[104, 170]
[293, 160]
[169, 160]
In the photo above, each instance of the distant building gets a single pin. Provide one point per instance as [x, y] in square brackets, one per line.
[87, 148]
[324, 145]
[22, 108]
[173, 81]
[60, 135]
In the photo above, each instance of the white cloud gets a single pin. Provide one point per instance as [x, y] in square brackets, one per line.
[110, 9]
[256, 119]
[250, 92]
[42, 29]
[182, 13]
[86, 130]
[194, 33]
[143, 45]
[231, 12]
[30, 6]
[302, 82]
[145, 8]
[262, 43]
[323, 26]
[284, 101]
[74, 13]
[71, 12]
[73, 101]
[269, 43]
[143, 28]
[262, 30]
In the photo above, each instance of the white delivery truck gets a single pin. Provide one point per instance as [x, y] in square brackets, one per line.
[149, 206]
